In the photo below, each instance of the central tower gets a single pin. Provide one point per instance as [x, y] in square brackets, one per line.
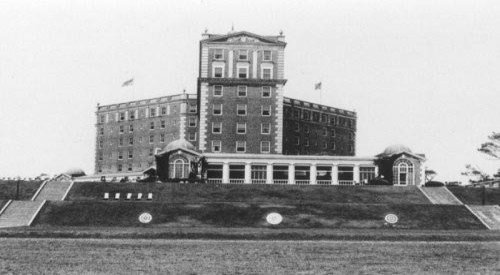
[240, 93]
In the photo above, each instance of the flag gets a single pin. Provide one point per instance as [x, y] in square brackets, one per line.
[129, 82]
[317, 86]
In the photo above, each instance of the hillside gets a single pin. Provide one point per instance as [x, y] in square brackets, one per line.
[26, 189]
[474, 196]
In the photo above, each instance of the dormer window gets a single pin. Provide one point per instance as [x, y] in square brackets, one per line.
[243, 55]
[267, 56]
[219, 54]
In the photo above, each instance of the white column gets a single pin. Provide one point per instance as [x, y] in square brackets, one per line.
[291, 173]
[356, 173]
[230, 61]
[335, 174]
[254, 65]
[312, 175]
[269, 173]
[225, 172]
[126, 115]
[248, 171]
[376, 171]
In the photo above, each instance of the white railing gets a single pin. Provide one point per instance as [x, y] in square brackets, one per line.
[302, 182]
[214, 181]
[236, 181]
[324, 182]
[346, 182]
[258, 181]
[280, 181]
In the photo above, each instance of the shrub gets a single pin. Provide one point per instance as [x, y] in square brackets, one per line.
[379, 181]
[434, 184]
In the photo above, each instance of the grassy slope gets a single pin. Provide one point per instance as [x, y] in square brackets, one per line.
[118, 256]
[167, 192]
[26, 189]
[469, 195]
[2, 202]
[412, 216]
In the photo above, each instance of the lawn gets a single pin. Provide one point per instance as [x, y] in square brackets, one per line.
[182, 193]
[27, 189]
[474, 196]
[121, 256]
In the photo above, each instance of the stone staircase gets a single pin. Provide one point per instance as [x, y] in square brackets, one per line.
[489, 215]
[20, 213]
[53, 191]
[440, 195]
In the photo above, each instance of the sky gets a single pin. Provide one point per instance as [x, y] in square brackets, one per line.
[423, 73]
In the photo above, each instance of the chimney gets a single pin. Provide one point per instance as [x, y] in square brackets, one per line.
[205, 35]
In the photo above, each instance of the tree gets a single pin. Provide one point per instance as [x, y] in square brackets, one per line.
[429, 175]
[475, 173]
[492, 147]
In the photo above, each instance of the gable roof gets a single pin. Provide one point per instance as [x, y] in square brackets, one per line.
[225, 37]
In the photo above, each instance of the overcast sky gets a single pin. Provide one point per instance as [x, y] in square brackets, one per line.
[422, 73]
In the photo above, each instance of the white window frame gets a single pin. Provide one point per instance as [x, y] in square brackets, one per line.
[121, 129]
[215, 54]
[238, 90]
[239, 55]
[238, 108]
[244, 128]
[191, 119]
[213, 109]
[152, 112]
[264, 55]
[151, 138]
[220, 127]
[221, 90]
[189, 136]
[131, 128]
[219, 144]
[130, 154]
[262, 128]
[131, 141]
[193, 108]
[162, 137]
[152, 125]
[240, 68]
[213, 71]
[262, 110]
[163, 124]
[269, 146]
[262, 95]
[262, 72]
[244, 147]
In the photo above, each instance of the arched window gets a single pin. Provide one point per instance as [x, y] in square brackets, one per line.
[402, 172]
[179, 168]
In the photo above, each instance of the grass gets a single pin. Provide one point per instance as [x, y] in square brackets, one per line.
[318, 215]
[119, 256]
[27, 189]
[175, 192]
[2, 203]
[474, 196]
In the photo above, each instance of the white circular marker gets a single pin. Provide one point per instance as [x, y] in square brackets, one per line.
[274, 218]
[145, 218]
[391, 218]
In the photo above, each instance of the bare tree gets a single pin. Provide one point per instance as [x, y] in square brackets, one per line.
[475, 174]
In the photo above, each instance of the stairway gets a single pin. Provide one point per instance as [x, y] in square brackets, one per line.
[489, 215]
[440, 195]
[20, 213]
[53, 191]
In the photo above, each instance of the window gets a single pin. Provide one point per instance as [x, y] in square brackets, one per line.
[280, 172]
[219, 54]
[152, 125]
[332, 120]
[216, 145]
[306, 141]
[296, 126]
[163, 111]
[120, 141]
[101, 142]
[120, 155]
[265, 128]
[100, 155]
[345, 173]
[325, 131]
[101, 131]
[192, 108]
[241, 110]
[243, 55]
[192, 121]
[297, 141]
[151, 151]
[179, 169]
[216, 127]
[163, 124]
[402, 171]
[192, 136]
[332, 145]
[333, 132]
[131, 128]
[122, 129]
[242, 91]
[130, 154]
[267, 73]
[302, 173]
[152, 112]
[266, 91]
[305, 115]
[102, 119]
[129, 167]
[296, 113]
[162, 137]
[214, 171]
[122, 116]
[266, 110]
[217, 90]
[131, 140]
[267, 55]
[306, 129]
[325, 145]
[315, 116]
[243, 72]
[241, 146]
[120, 168]
[217, 109]
[366, 174]
[218, 72]
[259, 173]
[265, 146]
[324, 118]
[241, 128]
[151, 138]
